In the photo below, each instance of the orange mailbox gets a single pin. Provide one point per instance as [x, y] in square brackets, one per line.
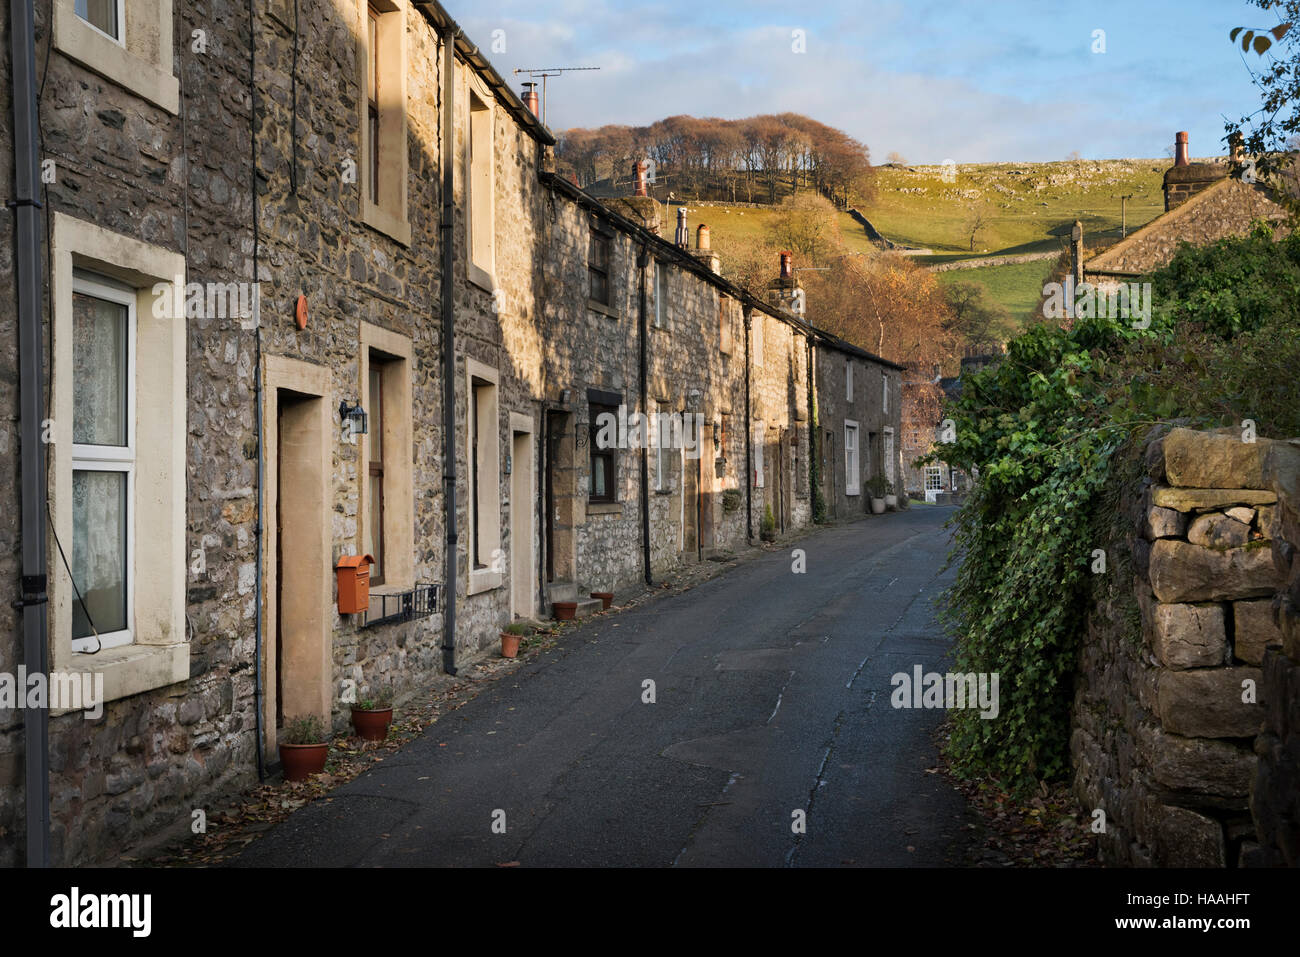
[354, 583]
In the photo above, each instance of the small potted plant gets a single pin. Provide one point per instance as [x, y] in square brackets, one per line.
[372, 715]
[606, 599]
[768, 530]
[304, 747]
[877, 489]
[891, 496]
[565, 610]
[510, 639]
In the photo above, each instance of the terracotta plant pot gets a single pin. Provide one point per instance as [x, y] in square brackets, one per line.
[301, 761]
[606, 599]
[565, 610]
[509, 645]
[372, 725]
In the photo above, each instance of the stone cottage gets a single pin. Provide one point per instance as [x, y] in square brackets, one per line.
[315, 294]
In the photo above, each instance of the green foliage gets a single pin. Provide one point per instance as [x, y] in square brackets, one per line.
[768, 527]
[1050, 430]
[732, 500]
[305, 729]
[379, 699]
[879, 487]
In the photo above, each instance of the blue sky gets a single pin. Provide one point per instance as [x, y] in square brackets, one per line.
[970, 80]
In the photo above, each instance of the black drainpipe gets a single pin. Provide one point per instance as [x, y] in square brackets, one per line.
[749, 441]
[27, 259]
[446, 235]
[642, 261]
[259, 531]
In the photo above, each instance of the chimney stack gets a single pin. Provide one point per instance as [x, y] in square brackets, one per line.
[1180, 149]
[1237, 148]
[638, 176]
[683, 237]
[702, 242]
[787, 265]
[530, 99]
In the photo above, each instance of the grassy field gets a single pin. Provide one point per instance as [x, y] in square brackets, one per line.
[1017, 287]
[1027, 208]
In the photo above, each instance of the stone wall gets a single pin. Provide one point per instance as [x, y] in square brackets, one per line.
[1170, 695]
[1275, 792]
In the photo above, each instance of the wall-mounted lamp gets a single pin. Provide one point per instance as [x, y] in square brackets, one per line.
[565, 397]
[355, 420]
[717, 432]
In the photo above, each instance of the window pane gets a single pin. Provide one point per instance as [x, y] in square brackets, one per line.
[599, 484]
[99, 13]
[99, 352]
[99, 551]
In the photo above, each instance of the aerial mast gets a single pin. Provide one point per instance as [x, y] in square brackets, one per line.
[550, 71]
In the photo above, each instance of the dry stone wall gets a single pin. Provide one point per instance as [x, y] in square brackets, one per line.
[1171, 695]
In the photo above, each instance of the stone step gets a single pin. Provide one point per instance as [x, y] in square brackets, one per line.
[562, 591]
[586, 606]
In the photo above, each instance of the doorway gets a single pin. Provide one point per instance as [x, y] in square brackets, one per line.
[297, 666]
[522, 522]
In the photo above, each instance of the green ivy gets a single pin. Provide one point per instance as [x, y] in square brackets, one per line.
[1047, 430]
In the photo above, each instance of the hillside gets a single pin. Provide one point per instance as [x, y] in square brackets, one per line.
[1027, 208]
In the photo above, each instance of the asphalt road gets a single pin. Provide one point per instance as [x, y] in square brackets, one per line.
[772, 696]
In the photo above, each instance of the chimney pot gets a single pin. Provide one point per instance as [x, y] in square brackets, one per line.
[1180, 149]
[638, 177]
[787, 265]
[702, 237]
[682, 238]
[530, 98]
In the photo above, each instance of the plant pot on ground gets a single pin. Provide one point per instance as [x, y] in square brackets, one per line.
[565, 610]
[372, 715]
[606, 599]
[877, 489]
[510, 639]
[304, 746]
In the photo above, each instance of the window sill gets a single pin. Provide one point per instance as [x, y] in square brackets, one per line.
[853, 493]
[131, 669]
[481, 580]
[664, 491]
[480, 277]
[604, 508]
[603, 309]
[98, 53]
[381, 220]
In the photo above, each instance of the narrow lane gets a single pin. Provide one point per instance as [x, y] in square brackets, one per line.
[772, 697]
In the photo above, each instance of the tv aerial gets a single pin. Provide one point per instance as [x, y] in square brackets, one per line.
[550, 71]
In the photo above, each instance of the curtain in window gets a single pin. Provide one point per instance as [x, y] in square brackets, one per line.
[99, 371]
[99, 551]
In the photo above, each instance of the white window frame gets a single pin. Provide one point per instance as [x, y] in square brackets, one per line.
[884, 392]
[759, 439]
[480, 177]
[852, 460]
[113, 458]
[483, 499]
[389, 215]
[121, 24]
[890, 453]
[848, 381]
[663, 448]
[934, 478]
